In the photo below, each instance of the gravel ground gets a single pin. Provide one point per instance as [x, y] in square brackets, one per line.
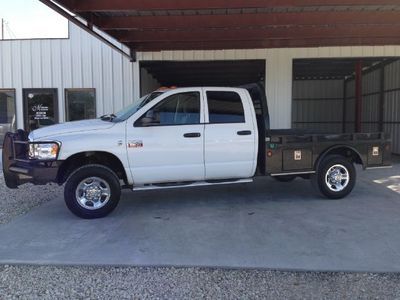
[42, 282]
[20, 201]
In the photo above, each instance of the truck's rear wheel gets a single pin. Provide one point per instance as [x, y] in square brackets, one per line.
[92, 191]
[336, 177]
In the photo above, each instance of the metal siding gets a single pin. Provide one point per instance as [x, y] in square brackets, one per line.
[370, 101]
[117, 87]
[87, 74]
[350, 106]
[394, 131]
[36, 65]
[371, 82]
[351, 89]
[370, 108]
[392, 76]
[46, 64]
[392, 104]
[317, 102]
[82, 61]
[6, 58]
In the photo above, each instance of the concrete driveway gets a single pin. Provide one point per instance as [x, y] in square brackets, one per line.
[265, 224]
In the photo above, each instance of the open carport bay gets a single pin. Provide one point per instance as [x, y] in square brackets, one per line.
[230, 73]
[265, 224]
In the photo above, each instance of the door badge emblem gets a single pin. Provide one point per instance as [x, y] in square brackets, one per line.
[135, 144]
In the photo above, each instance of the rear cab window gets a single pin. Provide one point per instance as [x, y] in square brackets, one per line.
[225, 107]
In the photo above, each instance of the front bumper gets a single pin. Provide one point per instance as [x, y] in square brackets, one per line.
[18, 169]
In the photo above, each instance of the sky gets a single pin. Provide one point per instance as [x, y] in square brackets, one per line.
[31, 19]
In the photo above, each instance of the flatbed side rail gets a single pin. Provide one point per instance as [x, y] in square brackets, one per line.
[314, 138]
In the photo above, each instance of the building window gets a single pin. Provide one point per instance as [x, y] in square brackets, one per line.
[80, 104]
[40, 108]
[7, 112]
[225, 107]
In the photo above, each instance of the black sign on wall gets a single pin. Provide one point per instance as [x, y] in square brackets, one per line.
[40, 108]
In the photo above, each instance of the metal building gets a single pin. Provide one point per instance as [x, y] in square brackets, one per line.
[327, 65]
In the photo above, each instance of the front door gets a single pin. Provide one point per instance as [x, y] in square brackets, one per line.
[40, 108]
[166, 143]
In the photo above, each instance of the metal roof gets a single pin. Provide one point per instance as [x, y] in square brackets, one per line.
[153, 25]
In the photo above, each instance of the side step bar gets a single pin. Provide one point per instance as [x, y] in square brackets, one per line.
[194, 184]
[378, 167]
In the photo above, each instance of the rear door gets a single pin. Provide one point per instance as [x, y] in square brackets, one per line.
[230, 134]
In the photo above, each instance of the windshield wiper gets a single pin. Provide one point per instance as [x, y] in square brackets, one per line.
[108, 117]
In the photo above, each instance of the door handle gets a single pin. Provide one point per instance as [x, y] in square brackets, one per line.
[192, 135]
[244, 132]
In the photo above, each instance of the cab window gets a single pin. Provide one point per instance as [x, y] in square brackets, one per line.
[178, 109]
[225, 107]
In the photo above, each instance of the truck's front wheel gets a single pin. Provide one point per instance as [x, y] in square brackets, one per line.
[92, 191]
[336, 177]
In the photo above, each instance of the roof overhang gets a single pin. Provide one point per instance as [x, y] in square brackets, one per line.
[154, 25]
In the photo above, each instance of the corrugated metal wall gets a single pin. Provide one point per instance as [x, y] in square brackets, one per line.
[391, 111]
[370, 101]
[371, 91]
[318, 105]
[350, 103]
[81, 61]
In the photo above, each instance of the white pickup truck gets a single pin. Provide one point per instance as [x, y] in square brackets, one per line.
[179, 138]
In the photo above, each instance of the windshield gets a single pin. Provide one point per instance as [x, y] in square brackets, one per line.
[128, 111]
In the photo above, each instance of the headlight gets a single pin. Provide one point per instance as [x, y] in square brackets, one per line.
[43, 151]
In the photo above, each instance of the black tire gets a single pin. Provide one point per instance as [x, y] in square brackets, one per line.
[285, 178]
[105, 176]
[326, 186]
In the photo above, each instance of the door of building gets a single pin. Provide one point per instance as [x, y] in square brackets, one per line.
[40, 108]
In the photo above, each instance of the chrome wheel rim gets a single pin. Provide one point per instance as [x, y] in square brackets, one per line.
[337, 178]
[93, 193]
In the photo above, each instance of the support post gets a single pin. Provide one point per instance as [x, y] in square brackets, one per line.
[358, 93]
[132, 52]
[344, 105]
